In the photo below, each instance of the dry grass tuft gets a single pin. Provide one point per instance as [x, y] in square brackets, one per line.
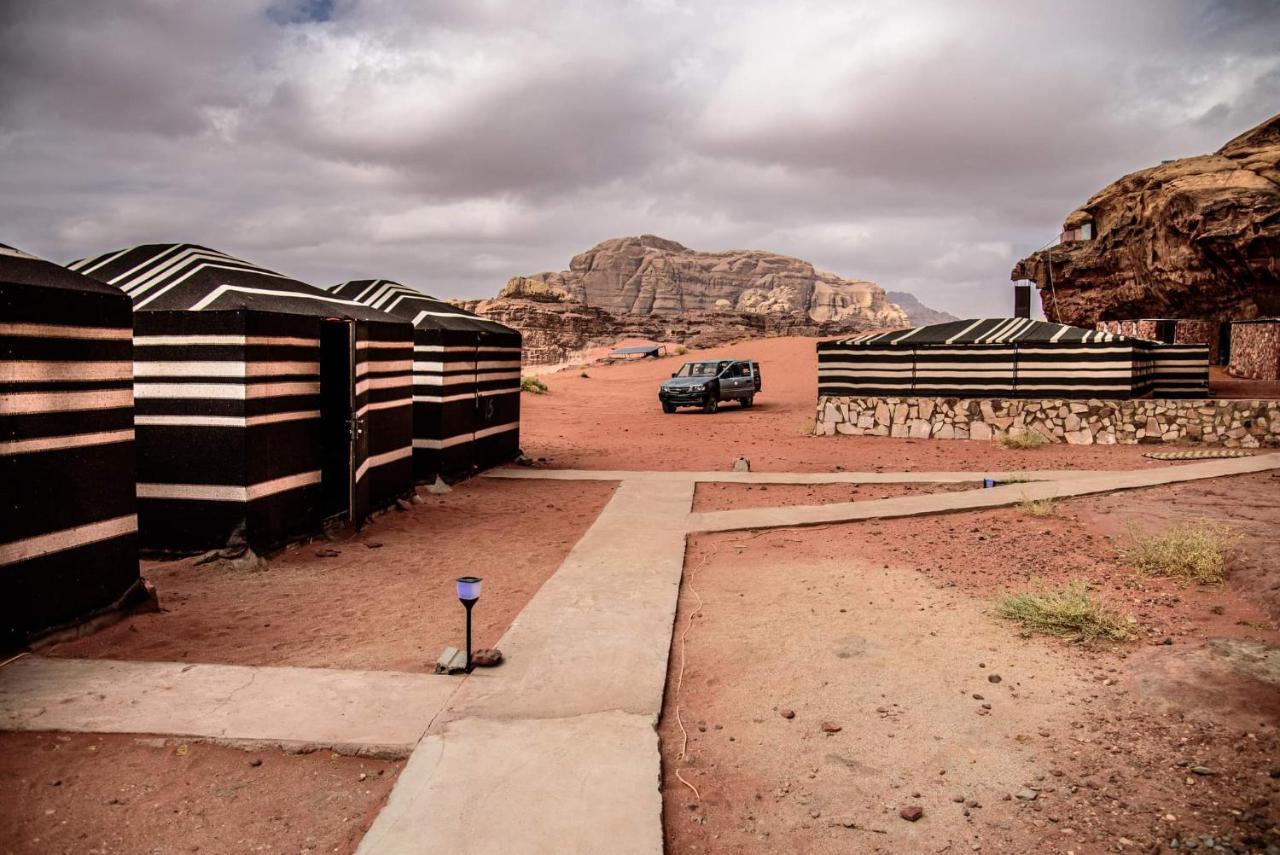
[681, 350]
[1066, 612]
[1027, 438]
[809, 427]
[1192, 551]
[533, 386]
[1046, 507]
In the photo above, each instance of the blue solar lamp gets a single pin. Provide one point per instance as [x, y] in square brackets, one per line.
[468, 593]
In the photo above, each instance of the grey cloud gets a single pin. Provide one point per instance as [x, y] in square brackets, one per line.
[455, 144]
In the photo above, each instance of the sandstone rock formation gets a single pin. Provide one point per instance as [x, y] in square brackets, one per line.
[651, 275]
[1192, 238]
[918, 313]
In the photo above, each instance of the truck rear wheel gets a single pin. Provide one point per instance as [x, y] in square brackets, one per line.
[668, 408]
[711, 404]
[748, 401]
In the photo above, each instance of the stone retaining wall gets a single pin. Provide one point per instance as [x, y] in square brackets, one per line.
[1184, 332]
[1233, 424]
[1255, 351]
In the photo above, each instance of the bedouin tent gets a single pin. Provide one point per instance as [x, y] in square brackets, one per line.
[1008, 358]
[264, 404]
[466, 380]
[68, 538]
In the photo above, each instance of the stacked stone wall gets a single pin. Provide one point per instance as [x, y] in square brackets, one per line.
[1255, 351]
[1184, 332]
[1232, 424]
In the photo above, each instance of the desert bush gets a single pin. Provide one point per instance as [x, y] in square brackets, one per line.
[1192, 551]
[1067, 612]
[1038, 507]
[533, 386]
[809, 426]
[583, 374]
[1028, 438]
[681, 350]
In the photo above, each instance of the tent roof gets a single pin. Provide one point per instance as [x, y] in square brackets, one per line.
[984, 331]
[20, 268]
[164, 277]
[423, 310]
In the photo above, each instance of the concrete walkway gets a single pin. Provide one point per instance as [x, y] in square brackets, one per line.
[1009, 494]
[381, 713]
[729, 477]
[557, 748]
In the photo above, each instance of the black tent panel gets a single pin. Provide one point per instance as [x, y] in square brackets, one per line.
[256, 401]
[68, 546]
[466, 381]
[1006, 357]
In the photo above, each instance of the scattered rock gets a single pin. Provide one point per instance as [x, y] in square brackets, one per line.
[403, 505]
[372, 544]
[1202, 770]
[327, 553]
[255, 762]
[742, 464]
[1027, 794]
[486, 657]
[787, 713]
[439, 487]
[831, 727]
[911, 813]
[994, 678]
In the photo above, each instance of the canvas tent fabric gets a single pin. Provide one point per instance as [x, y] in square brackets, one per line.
[264, 405]
[68, 543]
[1008, 358]
[466, 380]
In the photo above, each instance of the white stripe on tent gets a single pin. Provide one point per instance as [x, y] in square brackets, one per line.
[141, 264]
[55, 331]
[383, 459]
[193, 272]
[383, 383]
[1062, 330]
[425, 314]
[54, 371]
[222, 369]
[26, 403]
[908, 334]
[227, 493]
[481, 434]
[963, 331]
[383, 405]
[223, 289]
[55, 443]
[192, 261]
[365, 344]
[224, 421]
[106, 259]
[404, 365]
[44, 544]
[240, 340]
[224, 391]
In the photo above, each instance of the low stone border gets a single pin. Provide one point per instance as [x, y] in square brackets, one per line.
[1231, 424]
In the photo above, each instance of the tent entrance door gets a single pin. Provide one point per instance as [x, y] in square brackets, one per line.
[337, 422]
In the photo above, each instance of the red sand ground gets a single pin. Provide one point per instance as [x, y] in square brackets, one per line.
[1110, 750]
[391, 608]
[611, 420]
[93, 793]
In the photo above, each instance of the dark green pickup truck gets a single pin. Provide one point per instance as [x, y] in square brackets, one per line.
[706, 384]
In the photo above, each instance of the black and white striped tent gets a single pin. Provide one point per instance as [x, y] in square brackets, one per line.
[68, 538]
[1009, 358]
[466, 380]
[262, 402]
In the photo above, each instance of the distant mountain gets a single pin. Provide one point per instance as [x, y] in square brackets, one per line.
[918, 312]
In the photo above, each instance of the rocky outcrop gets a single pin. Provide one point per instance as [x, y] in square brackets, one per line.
[556, 330]
[1191, 238]
[649, 275]
[918, 314]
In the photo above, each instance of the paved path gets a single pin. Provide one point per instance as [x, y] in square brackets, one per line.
[1009, 494]
[356, 712]
[787, 477]
[557, 748]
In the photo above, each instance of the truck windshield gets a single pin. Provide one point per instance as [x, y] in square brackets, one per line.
[699, 369]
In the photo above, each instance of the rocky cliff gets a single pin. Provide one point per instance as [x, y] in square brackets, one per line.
[918, 313]
[1192, 238]
[649, 275]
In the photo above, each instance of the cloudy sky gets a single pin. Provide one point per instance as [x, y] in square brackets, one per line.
[451, 145]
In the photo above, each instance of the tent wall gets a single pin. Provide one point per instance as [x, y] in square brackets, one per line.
[384, 413]
[1180, 371]
[68, 544]
[497, 425]
[228, 427]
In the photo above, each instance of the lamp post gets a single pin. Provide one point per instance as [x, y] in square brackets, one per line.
[468, 593]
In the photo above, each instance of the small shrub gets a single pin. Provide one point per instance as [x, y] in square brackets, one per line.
[1028, 438]
[533, 386]
[1066, 612]
[1039, 507]
[681, 350]
[1194, 552]
[584, 374]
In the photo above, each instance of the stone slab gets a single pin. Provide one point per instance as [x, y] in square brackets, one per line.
[1009, 494]
[596, 635]
[378, 712]
[786, 477]
[587, 784]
